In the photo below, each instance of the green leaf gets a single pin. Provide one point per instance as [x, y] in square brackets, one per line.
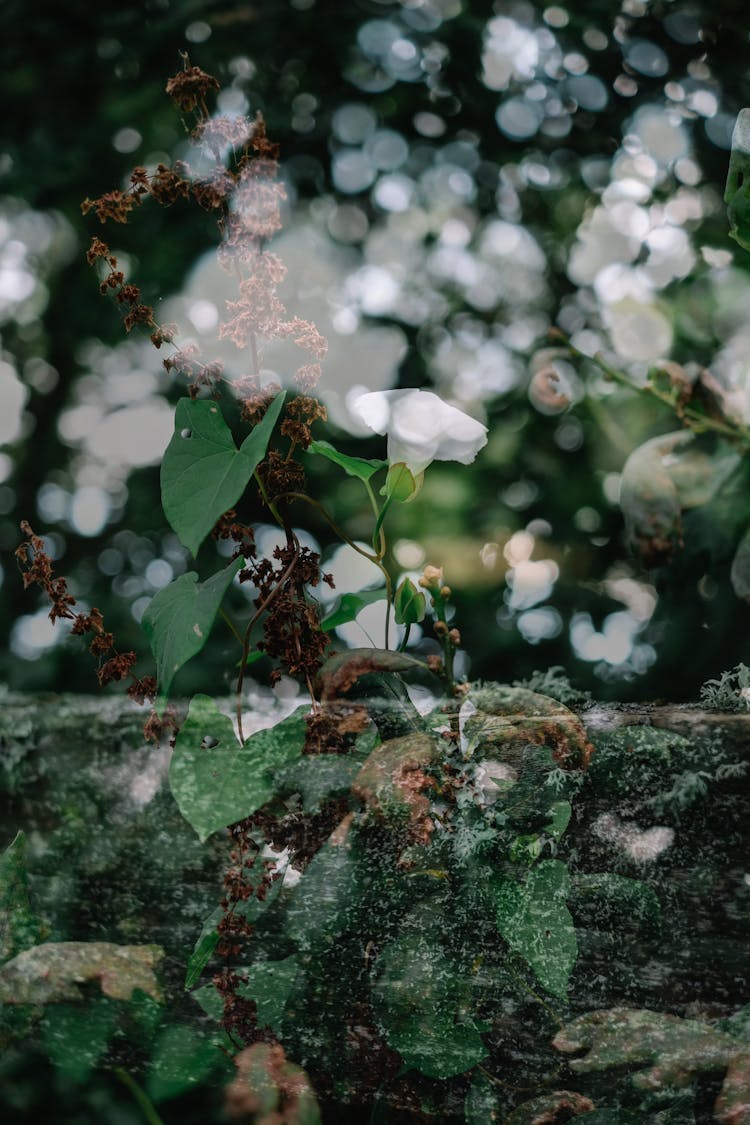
[401, 484]
[251, 909]
[606, 901]
[319, 777]
[76, 1035]
[178, 620]
[327, 898]
[417, 1000]
[560, 814]
[19, 929]
[409, 604]
[203, 473]
[349, 605]
[536, 923]
[217, 782]
[481, 1104]
[207, 941]
[352, 466]
[182, 1058]
[268, 984]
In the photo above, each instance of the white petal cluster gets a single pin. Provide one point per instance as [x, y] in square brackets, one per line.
[421, 428]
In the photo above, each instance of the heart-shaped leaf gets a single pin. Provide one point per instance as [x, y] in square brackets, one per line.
[178, 620]
[203, 473]
[217, 782]
[536, 923]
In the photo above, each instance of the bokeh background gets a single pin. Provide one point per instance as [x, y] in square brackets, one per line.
[461, 176]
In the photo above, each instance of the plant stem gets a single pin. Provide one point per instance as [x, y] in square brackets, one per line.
[246, 640]
[379, 534]
[231, 624]
[140, 1096]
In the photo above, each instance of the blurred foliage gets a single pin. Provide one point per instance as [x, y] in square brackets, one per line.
[83, 99]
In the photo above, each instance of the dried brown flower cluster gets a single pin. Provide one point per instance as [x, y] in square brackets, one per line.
[36, 569]
[240, 1014]
[247, 195]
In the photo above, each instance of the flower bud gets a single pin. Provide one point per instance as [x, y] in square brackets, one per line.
[454, 637]
[445, 592]
[432, 577]
[441, 629]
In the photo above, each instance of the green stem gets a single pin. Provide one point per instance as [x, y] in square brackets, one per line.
[140, 1096]
[378, 534]
[693, 418]
[268, 503]
[405, 639]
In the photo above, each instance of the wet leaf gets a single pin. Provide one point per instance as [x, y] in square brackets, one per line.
[203, 473]
[19, 929]
[318, 778]
[481, 1104]
[181, 1059]
[269, 984]
[179, 618]
[534, 920]
[349, 605]
[76, 1035]
[327, 898]
[352, 466]
[54, 971]
[610, 901]
[418, 1003]
[204, 947]
[217, 782]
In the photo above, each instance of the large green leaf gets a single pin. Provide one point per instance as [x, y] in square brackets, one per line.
[182, 1059]
[251, 909]
[268, 983]
[417, 1000]
[76, 1035]
[318, 777]
[326, 901]
[178, 620]
[536, 923]
[214, 780]
[19, 929]
[203, 473]
[353, 466]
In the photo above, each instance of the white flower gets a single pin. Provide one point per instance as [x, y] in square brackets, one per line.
[421, 427]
